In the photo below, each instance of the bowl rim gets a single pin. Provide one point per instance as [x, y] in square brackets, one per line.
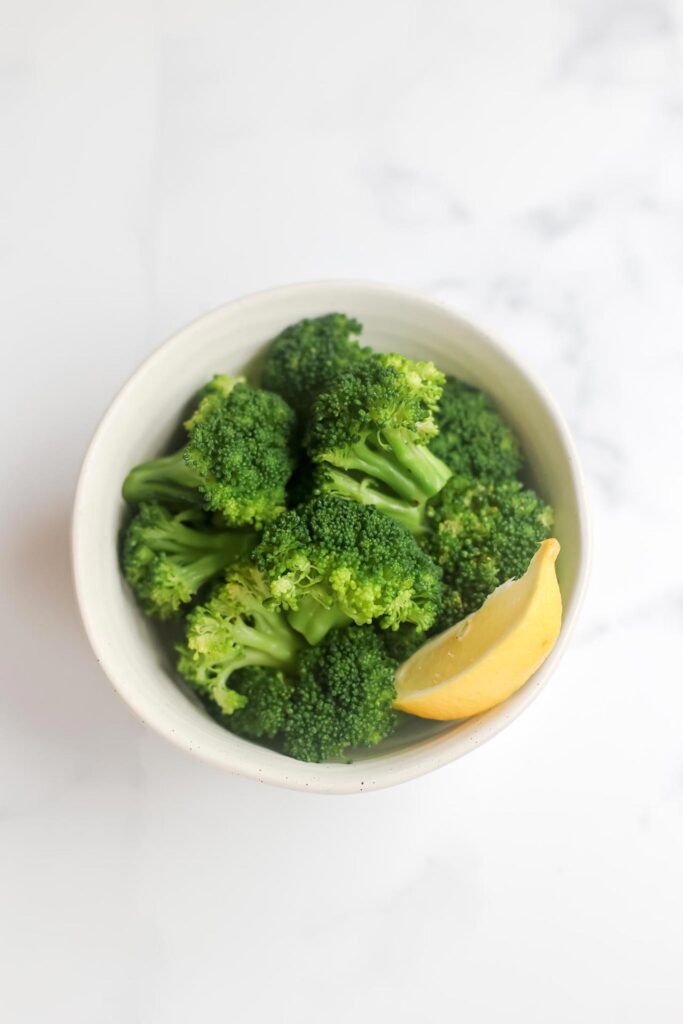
[331, 778]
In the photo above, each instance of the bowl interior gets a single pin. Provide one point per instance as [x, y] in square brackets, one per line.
[141, 423]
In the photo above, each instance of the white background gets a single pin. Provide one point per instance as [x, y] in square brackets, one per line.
[520, 160]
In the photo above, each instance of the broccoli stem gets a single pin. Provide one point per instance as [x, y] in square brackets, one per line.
[200, 554]
[167, 479]
[344, 486]
[408, 469]
[378, 464]
[228, 700]
[426, 468]
[268, 641]
[197, 573]
[177, 538]
[314, 620]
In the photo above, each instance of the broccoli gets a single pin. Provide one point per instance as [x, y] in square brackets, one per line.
[343, 696]
[308, 356]
[235, 628]
[211, 395]
[370, 432]
[336, 517]
[473, 439]
[237, 460]
[401, 643]
[268, 693]
[167, 557]
[484, 534]
[331, 561]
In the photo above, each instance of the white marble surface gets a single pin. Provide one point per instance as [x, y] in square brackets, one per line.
[523, 161]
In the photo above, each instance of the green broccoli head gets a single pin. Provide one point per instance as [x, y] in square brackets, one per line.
[308, 356]
[332, 561]
[267, 693]
[343, 696]
[237, 460]
[401, 643]
[473, 439]
[168, 557]
[484, 533]
[242, 448]
[370, 432]
[235, 628]
[211, 396]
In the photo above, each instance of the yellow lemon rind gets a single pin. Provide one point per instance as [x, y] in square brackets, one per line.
[483, 660]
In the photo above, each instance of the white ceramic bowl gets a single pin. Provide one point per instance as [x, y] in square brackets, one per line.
[144, 416]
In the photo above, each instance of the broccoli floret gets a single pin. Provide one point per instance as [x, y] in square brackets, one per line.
[238, 458]
[268, 694]
[331, 561]
[473, 439]
[401, 643]
[370, 431]
[308, 356]
[236, 627]
[484, 533]
[343, 696]
[167, 557]
[211, 395]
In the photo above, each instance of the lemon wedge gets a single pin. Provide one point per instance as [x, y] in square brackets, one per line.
[484, 659]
